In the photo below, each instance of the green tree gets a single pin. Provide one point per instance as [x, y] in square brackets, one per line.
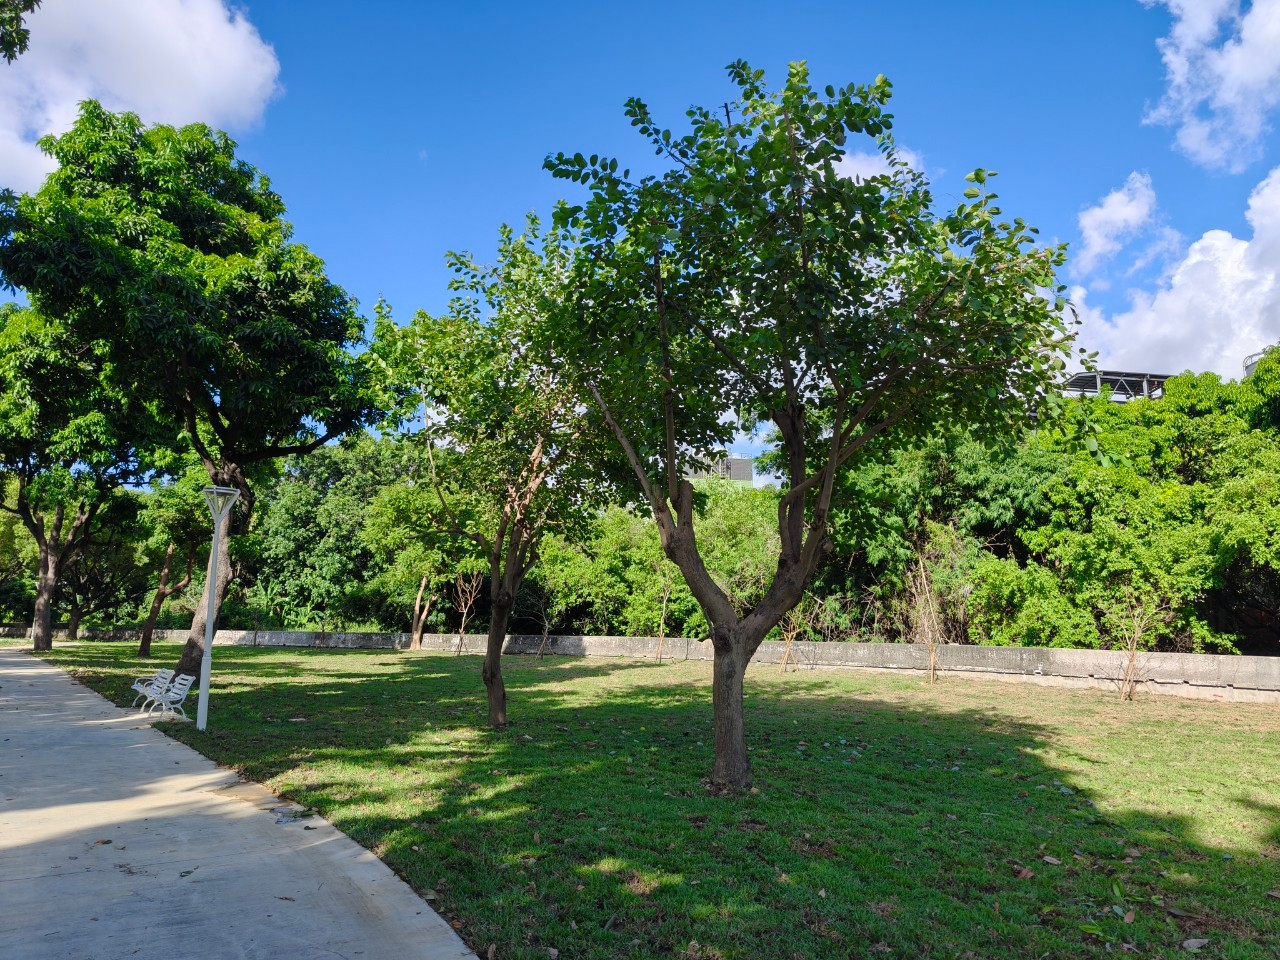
[177, 522]
[109, 575]
[68, 439]
[19, 561]
[514, 437]
[309, 536]
[160, 244]
[418, 564]
[751, 282]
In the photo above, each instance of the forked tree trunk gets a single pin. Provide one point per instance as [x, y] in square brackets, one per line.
[46, 583]
[492, 670]
[193, 652]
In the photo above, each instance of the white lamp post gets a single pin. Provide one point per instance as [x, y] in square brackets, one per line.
[220, 500]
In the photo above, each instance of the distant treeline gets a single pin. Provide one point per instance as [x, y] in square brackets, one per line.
[1169, 529]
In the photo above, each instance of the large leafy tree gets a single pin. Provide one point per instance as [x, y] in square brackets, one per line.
[511, 441]
[751, 282]
[160, 243]
[68, 439]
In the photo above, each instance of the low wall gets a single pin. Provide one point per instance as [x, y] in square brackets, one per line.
[1197, 675]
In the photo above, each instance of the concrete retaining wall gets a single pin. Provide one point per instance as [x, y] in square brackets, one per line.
[1197, 675]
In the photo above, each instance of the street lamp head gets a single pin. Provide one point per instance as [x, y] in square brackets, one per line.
[221, 500]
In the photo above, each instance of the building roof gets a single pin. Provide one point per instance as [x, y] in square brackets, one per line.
[1123, 385]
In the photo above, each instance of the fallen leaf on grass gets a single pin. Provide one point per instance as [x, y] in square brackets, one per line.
[1053, 860]
[1195, 943]
[1025, 874]
[1175, 912]
[1129, 917]
[492, 952]
[552, 952]
[1274, 893]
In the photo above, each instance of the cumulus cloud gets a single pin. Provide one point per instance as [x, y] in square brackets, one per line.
[170, 61]
[1217, 304]
[1118, 217]
[862, 165]
[1222, 67]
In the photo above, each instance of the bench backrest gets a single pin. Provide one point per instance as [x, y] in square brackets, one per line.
[178, 689]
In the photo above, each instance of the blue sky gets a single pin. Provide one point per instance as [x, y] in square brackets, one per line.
[1140, 132]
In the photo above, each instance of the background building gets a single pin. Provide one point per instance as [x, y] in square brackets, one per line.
[730, 468]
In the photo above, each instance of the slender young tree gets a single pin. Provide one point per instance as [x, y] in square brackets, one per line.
[177, 521]
[160, 244]
[508, 435]
[755, 282]
[418, 566]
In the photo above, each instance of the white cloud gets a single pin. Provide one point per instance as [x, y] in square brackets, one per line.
[170, 61]
[862, 165]
[1119, 217]
[1222, 67]
[1217, 304]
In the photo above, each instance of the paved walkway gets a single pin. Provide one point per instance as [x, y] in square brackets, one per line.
[116, 841]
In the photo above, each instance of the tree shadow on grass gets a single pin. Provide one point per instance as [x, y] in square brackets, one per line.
[880, 829]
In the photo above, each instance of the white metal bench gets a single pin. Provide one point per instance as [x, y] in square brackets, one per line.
[169, 700]
[145, 685]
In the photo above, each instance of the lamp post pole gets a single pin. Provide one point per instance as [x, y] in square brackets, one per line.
[220, 500]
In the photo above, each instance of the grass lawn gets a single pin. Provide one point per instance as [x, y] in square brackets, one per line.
[968, 819]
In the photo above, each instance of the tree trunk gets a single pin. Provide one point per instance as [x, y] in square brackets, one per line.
[148, 628]
[46, 583]
[419, 618]
[731, 770]
[193, 652]
[492, 670]
[73, 624]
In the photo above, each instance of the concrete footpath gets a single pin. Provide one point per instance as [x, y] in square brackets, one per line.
[116, 841]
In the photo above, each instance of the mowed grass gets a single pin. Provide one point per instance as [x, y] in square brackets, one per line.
[893, 819]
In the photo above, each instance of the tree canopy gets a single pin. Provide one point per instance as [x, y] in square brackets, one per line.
[158, 243]
[753, 282]
[14, 35]
[69, 437]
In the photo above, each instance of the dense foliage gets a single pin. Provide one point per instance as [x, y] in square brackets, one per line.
[1043, 545]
